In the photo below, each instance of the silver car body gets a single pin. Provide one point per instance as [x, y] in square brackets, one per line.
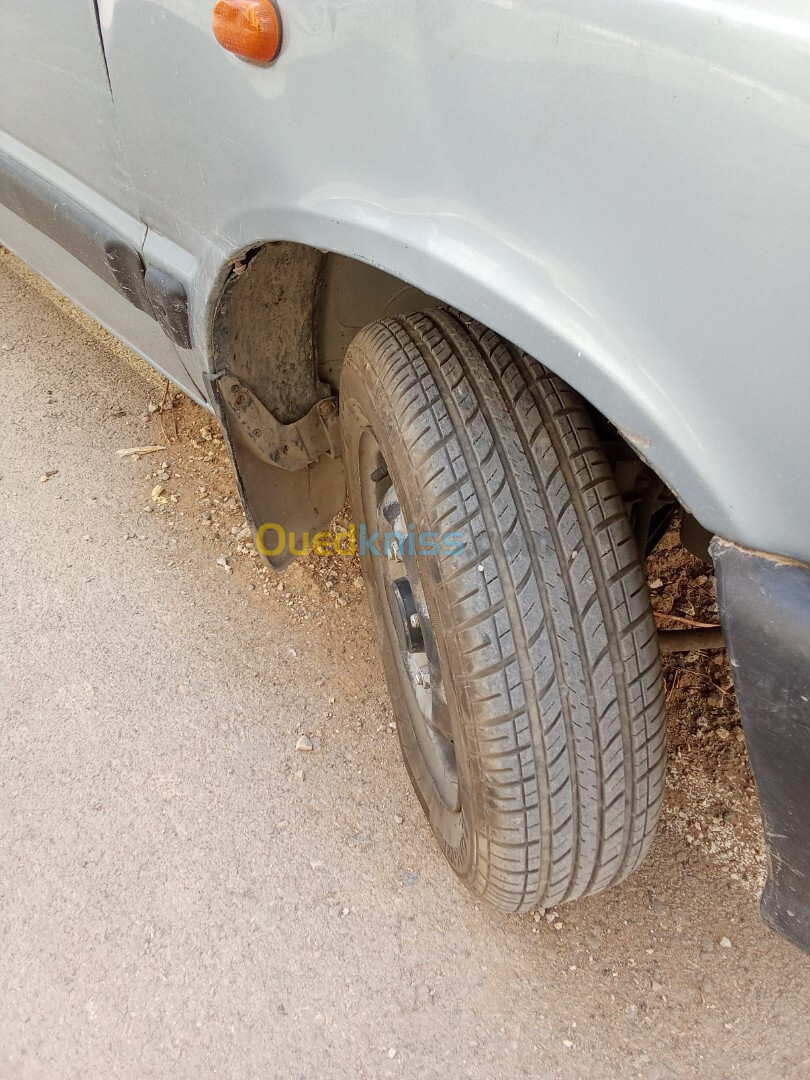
[621, 189]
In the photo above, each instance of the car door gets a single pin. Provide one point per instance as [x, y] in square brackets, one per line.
[54, 92]
[67, 204]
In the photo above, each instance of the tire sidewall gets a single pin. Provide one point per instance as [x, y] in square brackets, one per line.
[366, 406]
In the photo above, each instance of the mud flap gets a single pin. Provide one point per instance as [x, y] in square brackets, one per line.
[765, 608]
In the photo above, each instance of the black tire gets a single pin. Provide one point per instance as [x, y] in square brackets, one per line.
[546, 649]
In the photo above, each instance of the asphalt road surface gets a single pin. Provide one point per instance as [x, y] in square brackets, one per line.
[183, 894]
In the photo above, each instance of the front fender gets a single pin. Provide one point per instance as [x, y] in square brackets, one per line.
[620, 189]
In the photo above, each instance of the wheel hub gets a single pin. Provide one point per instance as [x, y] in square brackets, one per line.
[411, 635]
[408, 624]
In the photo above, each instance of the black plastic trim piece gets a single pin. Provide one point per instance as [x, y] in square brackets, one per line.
[765, 608]
[88, 238]
[97, 246]
[170, 304]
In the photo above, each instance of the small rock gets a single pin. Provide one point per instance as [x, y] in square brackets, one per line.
[358, 583]
[725, 943]
[397, 819]
[392, 1053]
[568, 1044]
[657, 583]
[657, 988]
[153, 408]
[304, 744]
[721, 732]
[222, 560]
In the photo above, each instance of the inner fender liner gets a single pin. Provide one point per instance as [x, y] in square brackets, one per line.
[765, 607]
[264, 337]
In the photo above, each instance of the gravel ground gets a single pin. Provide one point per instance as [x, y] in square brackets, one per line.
[183, 893]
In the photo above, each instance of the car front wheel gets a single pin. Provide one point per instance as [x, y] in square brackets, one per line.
[511, 609]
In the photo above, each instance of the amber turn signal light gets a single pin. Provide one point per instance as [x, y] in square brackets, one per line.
[249, 28]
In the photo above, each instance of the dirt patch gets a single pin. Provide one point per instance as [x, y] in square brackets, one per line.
[711, 804]
[711, 798]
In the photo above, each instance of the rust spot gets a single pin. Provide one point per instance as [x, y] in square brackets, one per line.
[643, 442]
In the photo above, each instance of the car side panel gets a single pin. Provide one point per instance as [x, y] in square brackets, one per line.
[619, 188]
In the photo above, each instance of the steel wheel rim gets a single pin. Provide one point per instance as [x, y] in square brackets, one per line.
[408, 623]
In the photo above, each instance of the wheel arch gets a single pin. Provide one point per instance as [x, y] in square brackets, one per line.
[284, 311]
[284, 316]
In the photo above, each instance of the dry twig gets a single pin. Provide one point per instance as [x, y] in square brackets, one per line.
[688, 622]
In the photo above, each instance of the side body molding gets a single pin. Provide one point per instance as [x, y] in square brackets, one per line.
[97, 245]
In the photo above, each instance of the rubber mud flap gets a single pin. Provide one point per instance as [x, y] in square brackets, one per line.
[765, 606]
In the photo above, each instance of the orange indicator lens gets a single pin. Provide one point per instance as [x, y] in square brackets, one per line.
[249, 28]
